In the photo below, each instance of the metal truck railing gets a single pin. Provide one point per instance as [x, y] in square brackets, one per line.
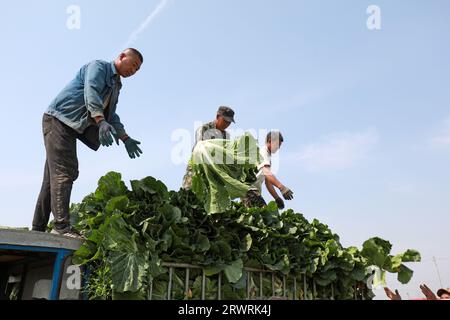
[251, 272]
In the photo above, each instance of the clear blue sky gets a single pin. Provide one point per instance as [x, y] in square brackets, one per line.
[365, 114]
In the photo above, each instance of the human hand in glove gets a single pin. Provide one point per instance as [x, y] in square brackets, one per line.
[280, 203]
[132, 148]
[106, 133]
[287, 193]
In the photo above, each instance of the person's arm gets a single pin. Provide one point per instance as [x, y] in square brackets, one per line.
[270, 187]
[271, 179]
[391, 295]
[120, 128]
[94, 84]
[199, 136]
[98, 119]
[428, 292]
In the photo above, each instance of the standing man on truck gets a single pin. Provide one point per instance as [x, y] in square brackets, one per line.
[253, 198]
[86, 110]
[212, 130]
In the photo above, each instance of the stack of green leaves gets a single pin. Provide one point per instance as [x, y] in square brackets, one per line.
[130, 233]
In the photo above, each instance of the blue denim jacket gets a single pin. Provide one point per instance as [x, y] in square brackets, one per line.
[85, 97]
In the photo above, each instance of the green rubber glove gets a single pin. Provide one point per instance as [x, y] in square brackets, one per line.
[132, 148]
[106, 133]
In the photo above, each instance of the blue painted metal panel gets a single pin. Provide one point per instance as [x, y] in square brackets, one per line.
[58, 267]
[57, 273]
[29, 248]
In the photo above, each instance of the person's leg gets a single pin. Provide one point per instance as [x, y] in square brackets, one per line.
[60, 144]
[253, 199]
[43, 205]
[187, 179]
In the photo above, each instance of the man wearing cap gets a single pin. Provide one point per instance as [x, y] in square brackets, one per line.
[444, 294]
[212, 130]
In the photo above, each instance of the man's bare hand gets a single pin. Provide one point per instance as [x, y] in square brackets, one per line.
[391, 295]
[428, 292]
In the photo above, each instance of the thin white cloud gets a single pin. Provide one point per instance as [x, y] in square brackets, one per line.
[135, 34]
[312, 96]
[337, 151]
[442, 138]
[301, 100]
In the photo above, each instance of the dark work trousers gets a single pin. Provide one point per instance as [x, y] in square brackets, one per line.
[61, 170]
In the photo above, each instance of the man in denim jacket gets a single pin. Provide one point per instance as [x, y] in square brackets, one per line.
[86, 110]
